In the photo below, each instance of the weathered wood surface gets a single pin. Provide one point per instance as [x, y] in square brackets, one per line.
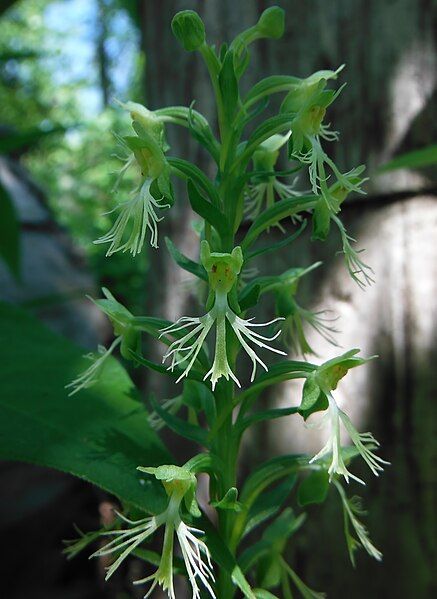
[387, 107]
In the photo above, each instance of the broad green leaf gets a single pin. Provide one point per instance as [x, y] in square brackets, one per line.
[277, 212]
[415, 159]
[9, 233]
[101, 434]
[181, 260]
[208, 211]
[314, 488]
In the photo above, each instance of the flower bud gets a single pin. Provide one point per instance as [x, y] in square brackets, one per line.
[271, 23]
[189, 29]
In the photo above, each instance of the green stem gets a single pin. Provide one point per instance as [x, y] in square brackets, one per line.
[213, 66]
[227, 450]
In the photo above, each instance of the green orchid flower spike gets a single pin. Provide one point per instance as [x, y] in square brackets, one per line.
[317, 395]
[242, 182]
[180, 486]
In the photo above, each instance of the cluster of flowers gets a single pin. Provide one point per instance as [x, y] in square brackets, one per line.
[306, 104]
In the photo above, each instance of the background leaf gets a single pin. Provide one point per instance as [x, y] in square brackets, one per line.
[101, 434]
[9, 233]
[416, 159]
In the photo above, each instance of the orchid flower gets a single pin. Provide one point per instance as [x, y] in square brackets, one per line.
[261, 194]
[91, 375]
[317, 392]
[364, 442]
[351, 509]
[139, 214]
[307, 103]
[223, 270]
[180, 485]
[296, 317]
[127, 336]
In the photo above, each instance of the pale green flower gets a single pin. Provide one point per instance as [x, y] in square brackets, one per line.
[358, 269]
[351, 509]
[126, 335]
[223, 270]
[140, 214]
[262, 193]
[307, 104]
[146, 121]
[180, 485]
[91, 375]
[364, 443]
[171, 406]
[317, 396]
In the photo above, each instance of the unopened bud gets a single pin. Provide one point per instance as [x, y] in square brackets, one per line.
[189, 29]
[272, 22]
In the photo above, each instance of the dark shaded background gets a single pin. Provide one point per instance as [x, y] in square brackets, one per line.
[84, 54]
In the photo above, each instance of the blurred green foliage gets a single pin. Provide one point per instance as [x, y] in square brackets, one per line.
[75, 164]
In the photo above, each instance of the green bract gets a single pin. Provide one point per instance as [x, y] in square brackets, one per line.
[255, 179]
